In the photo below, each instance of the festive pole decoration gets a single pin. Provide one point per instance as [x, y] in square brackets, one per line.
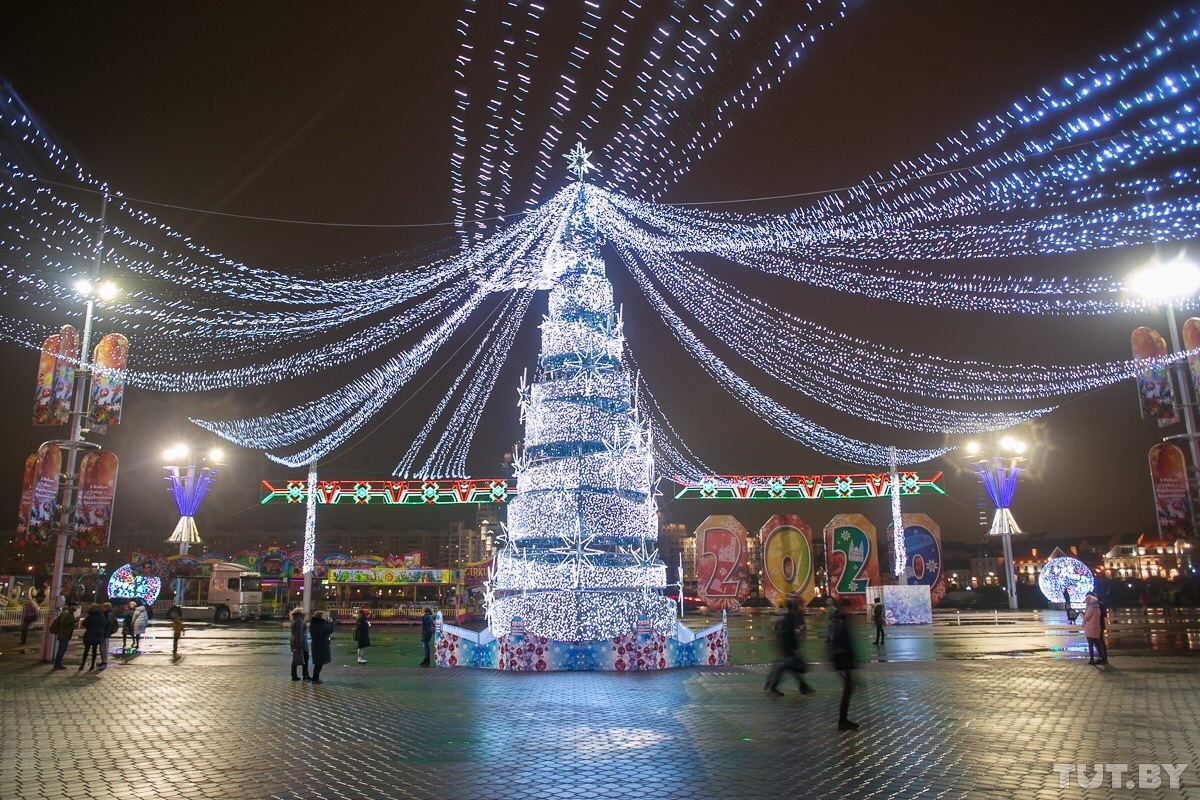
[999, 478]
[189, 485]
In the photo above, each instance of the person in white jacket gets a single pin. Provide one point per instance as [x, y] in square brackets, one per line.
[141, 618]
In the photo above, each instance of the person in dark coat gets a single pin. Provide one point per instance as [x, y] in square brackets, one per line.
[95, 628]
[362, 633]
[320, 629]
[841, 651]
[299, 643]
[427, 634]
[878, 618]
[63, 628]
[111, 626]
[789, 661]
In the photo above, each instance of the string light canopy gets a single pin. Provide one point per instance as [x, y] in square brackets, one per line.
[1100, 158]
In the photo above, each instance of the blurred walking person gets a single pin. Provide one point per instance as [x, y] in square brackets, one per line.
[29, 615]
[830, 605]
[362, 634]
[175, 614]
[63, 627]
[320, 629]
[95, 627]
[299, 643]
[841, 650]
[427, 635]
[789, 661]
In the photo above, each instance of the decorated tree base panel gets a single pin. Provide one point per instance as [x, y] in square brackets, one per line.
[459, 647]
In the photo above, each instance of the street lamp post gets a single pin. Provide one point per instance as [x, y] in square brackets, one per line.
[999, 476]
[91, 288]
[1165, 282]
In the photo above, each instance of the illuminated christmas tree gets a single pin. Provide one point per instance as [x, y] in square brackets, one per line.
[580, 561]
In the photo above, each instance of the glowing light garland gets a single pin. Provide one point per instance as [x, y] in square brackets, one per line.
[1099, 160]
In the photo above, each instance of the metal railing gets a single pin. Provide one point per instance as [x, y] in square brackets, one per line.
[11, 617]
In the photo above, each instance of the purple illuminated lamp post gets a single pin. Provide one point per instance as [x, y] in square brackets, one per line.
[189, 484]
[999, 476]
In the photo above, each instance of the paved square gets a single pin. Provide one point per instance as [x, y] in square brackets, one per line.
[226, 722]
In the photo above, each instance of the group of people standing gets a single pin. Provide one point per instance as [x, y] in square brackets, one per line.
[99, 625]
[309, 639]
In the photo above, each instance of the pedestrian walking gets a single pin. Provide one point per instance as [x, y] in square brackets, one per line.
[1177, 600]
[841, 651]
[29, 615]
[878, 618]
[110, 628]
[299, 643]
[62, 628]
[1067, 605]
[362, 634]
[127, 627]
[1091, 628]
[320, 629]
[1143, 601]
[95, 626]
[141, 619]
[1165, 598]
[175, 614]
[426, 635]
[830, 606]
[789, 660]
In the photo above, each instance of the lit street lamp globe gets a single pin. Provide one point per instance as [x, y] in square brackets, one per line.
[1067, 573]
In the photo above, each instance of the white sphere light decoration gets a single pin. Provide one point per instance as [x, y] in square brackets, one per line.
[1067, 573]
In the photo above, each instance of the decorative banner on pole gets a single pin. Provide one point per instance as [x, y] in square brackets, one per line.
[64, 375]
[108, 381]
[1155, 393]
[852, 559]
[787, 562]
[1168, 475]
[43, 397]
[722, 576]
[923, 555]
[37, 527]
[1191, 341]
[27, 484]
[94, 498]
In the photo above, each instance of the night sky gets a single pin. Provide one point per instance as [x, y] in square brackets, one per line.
[306, 112]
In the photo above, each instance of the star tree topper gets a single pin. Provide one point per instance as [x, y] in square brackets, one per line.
[577, 161]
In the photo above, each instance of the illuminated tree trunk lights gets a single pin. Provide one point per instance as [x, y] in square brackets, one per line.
[580, 562]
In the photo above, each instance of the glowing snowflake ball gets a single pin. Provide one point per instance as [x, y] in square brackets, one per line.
[124, 583]
[1066, 573]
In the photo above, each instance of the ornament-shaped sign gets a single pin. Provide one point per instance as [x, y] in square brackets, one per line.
[787, 562]
[923, 555]
[852, 559]
[721, 565]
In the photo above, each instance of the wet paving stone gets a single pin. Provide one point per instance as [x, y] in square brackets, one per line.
[226, 722]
